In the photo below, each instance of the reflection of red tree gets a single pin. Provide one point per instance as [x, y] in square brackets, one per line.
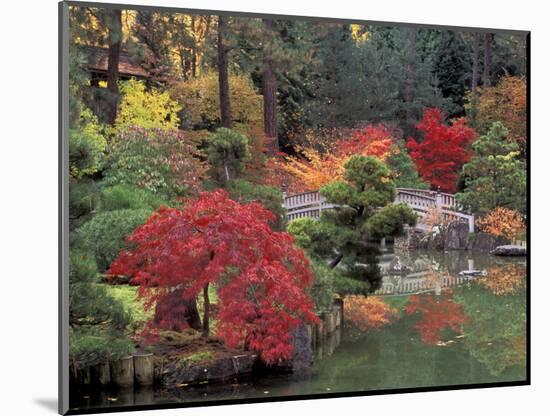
[437, 314]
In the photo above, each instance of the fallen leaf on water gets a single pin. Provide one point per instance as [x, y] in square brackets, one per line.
[112, 399]
[182, 385]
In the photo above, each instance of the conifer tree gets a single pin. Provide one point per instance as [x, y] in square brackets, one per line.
[495, 176]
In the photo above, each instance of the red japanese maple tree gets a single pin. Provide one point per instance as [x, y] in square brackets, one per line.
[444, 149]
[436, 315]
[260, 276]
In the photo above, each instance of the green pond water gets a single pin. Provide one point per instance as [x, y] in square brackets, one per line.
[449, 331]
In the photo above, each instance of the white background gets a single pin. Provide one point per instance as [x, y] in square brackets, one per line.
[28, 205]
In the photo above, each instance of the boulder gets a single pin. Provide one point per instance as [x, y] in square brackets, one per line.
[408, 241]
[485, 243]
[509, 250]
[221, 369]
[456, 236]
[473, 273]
[432, 241]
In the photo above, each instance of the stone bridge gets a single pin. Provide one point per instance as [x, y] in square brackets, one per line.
[310, 204]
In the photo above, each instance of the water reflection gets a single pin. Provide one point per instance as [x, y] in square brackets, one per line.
[504, 279]
[436, 315]
[448, 332]
[424, 271]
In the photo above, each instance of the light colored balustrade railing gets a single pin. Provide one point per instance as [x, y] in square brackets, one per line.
[310, 204]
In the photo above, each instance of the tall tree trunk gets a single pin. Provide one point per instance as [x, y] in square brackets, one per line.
[114, 24]
[206, 316]
[410, 72]
[193, 49]
[193, 62]
[475, 64]
[487, 60]
[269, 91]
[223, 76]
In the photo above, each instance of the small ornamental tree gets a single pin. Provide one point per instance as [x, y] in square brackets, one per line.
[364, 212]
[227, 151]
[164, 162]
[443, 150]
[502, 222]
[403, 169]
[261, 278]
[147, 109]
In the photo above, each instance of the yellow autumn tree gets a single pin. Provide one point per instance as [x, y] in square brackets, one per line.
[146, 108]
[315, 168]
[502, 222]
[505, 102]
[200, 100]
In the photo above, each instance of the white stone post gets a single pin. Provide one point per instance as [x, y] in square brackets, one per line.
[438, 199]
[471, 223]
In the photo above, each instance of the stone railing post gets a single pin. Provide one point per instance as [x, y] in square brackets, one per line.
[471, 223]
[438, 198]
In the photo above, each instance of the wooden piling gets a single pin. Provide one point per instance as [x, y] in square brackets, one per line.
[122, 371]
[144, 369]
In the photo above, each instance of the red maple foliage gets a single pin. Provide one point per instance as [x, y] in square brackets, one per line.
[261, 277]
[436, 315]
[444, 149]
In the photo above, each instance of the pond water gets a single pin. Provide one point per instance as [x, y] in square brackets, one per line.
[445, 329]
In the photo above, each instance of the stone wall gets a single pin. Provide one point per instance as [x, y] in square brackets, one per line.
[329, 322]
[177, 373]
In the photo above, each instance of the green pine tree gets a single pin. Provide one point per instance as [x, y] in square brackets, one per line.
[495, 176]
